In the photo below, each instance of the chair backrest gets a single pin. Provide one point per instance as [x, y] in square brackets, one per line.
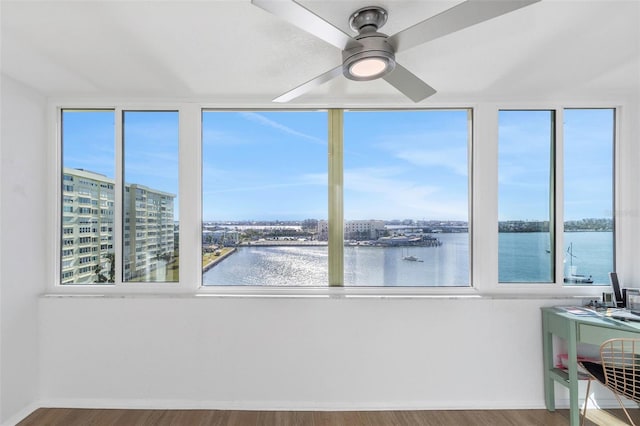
[621, 365]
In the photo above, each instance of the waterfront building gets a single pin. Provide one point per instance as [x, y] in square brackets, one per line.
[355, 229]
[219, 236]
[323, 230]
[363, 229]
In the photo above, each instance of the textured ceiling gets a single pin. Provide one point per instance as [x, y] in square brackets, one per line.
[235, 53]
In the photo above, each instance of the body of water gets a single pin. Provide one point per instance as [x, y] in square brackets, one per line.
[524, 257]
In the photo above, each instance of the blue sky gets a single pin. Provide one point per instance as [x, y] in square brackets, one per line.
[588, 163]
[272, 165]
[150, 146]
[264, 165]
[88, 141]
[524, 146]
[524, 164]
[406, 165]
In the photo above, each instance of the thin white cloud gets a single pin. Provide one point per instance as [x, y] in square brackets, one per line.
[379, 193]
[261, 119]
[452, 159]
[445, 149]
[256, 187]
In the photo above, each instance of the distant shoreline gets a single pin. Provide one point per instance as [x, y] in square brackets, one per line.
[282, 243]
[217, 259]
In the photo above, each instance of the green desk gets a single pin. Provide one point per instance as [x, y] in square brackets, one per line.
[574, 329]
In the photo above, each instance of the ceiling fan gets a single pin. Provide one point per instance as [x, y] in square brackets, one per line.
[370, 54]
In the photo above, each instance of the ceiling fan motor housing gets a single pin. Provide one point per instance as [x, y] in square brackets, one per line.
[372, 45]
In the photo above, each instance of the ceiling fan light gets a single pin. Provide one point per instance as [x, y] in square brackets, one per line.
[365, 66]
[369, 68]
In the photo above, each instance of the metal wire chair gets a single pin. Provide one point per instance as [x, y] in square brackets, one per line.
[619, 371]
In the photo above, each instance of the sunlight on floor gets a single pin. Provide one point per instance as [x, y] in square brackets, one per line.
[605, 418]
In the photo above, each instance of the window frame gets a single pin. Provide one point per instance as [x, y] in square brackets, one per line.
[186, 153]
[482, 219]
[335, 167]
[557, 287]
[614, 190]
[120, 196]
[554, 173]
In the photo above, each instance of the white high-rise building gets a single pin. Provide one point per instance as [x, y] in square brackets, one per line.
[88, 228]
[148, 231]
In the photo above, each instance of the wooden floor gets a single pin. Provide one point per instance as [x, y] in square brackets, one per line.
[99, 417]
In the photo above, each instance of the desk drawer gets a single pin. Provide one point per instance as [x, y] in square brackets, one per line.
[596, 335]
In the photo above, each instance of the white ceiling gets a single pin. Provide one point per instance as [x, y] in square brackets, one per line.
[233, 52]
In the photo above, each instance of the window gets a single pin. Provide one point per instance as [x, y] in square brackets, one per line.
[150, 201]
[525, 196]
[87, 158]
[264, 180]
[352, 198]
[406, 198]
[88, 182]
[527, 153]
[588, 195]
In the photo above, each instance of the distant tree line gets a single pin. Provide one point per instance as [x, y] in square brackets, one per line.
[582, 225]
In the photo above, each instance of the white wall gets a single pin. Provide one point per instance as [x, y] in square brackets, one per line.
[628, 195]
[22, 247]
[333, 353]
[264, 353]
[221, 352]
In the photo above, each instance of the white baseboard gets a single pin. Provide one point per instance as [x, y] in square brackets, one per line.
[163, 404]
[21, 415]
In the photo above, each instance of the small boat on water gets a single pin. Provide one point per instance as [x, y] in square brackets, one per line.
[408, 257]
[412, 259]
[573, 277]
[578, 279]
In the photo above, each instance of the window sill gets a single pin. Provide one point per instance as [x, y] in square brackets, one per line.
[508, 291]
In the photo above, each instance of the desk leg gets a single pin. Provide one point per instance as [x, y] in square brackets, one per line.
[547, 359]
[572, 352]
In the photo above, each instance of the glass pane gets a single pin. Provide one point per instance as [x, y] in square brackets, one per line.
[588, 195]
[88, 164]
[150, 196]
[525, 182]
[264, 180]
[406, 198]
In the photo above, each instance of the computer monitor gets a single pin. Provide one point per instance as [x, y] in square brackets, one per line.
[617, 292]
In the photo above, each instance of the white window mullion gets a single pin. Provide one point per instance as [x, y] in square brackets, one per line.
[484, 222]
[190, 202]
[118, 222]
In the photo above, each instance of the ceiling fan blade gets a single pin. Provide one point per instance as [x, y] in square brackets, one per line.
[463, 15]
[298, 15]
[410, 85]
[309, 85]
